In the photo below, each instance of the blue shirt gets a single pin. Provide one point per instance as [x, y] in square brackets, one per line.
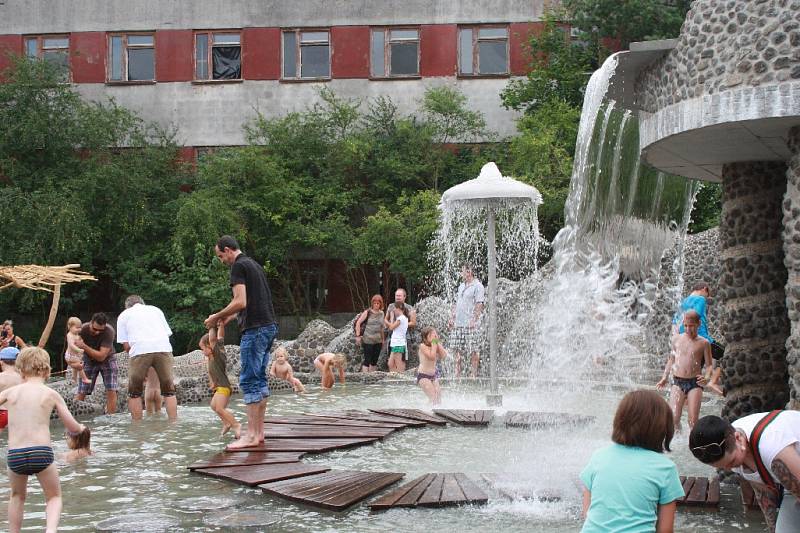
[627, 485]
[694, 302]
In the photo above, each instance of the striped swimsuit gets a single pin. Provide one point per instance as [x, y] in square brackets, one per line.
[29, 461]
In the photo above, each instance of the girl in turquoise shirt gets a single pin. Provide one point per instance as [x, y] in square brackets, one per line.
[629, 486]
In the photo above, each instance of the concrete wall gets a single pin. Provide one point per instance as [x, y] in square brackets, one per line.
[52, 16]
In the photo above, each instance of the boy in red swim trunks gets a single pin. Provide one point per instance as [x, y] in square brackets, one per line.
[30, 450]
[8, 377]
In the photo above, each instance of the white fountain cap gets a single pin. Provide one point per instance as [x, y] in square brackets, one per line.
[491, 185]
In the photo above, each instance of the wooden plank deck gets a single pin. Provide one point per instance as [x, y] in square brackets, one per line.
[432, 490]
[335, 490]
[244, 459]
[305, 445]
[413, 414]
[283, 431]
[309, 420]
[256, 474]
[533, 419]
[700, 492]
[370, 417]
[465, 417]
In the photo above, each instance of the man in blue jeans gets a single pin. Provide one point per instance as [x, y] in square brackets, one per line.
[252, 300]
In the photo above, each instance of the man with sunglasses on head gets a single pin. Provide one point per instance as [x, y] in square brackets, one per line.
[96, 339]
[764, 449]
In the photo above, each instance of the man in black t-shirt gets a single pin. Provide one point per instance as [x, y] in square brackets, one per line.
[97, 342]
[252, 300]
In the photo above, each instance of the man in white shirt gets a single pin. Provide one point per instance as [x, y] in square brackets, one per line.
[465, 320]
[144, 333]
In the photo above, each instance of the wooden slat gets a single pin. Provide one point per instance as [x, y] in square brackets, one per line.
[304, 445]
[697, 496]
[465, 417]
[688, 483]
[391, 499]
[413, 414]
[282, 431]
[328, 421]
[451, 491]
[371, 417]
[713, 493]
[471, 491]
[433, 493]
[333, 490]
[243, 459]
[257, 474]
[412, 497]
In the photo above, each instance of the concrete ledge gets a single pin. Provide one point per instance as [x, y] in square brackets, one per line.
[694, 138]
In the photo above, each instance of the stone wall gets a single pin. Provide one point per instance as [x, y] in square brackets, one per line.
[791, 247]
[755, 324]
[726, 44]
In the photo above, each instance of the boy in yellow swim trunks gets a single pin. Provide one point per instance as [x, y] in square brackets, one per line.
[212, 346]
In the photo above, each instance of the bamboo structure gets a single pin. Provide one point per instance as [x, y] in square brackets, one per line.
[43, 278]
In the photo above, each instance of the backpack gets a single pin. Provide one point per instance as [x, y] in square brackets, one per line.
[363, 327]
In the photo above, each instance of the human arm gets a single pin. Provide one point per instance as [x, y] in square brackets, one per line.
[20, 343]
[237, 303]
[587, 501]
[665, 520]
[768, 502]
[341, 374]
[394, 324]
[272, 370]
[412, 319]
[70, 424]
[703, 379]
[357, 327]
[99, 355]
[663, 381]
[786, 467]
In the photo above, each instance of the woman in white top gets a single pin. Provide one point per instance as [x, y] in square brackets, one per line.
[398, 324]
[763, 448]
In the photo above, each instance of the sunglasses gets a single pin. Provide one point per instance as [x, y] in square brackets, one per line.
[711, 449]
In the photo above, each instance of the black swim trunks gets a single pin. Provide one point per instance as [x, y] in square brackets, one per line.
[685, 384]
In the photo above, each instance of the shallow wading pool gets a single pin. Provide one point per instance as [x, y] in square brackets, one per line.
[138, 479]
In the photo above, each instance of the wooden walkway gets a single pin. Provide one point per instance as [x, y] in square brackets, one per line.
[481, 417]
[304, 445]
[372, 417]
[700, 492]
[433, 490]
[283, 431]
[257, 474]
[245, 459]
[541, 420]
[413, 414]
[335, 490]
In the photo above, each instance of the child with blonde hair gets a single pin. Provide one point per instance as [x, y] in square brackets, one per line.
[326, 362]
[212, 346]
[74, 355]
[30, 449]
[281, 369]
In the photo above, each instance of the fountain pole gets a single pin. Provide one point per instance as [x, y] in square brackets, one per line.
[494, 398]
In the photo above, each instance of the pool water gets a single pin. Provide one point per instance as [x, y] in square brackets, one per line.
[138, 480]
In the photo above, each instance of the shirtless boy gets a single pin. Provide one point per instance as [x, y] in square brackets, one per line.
[326, 362]
[689, 353]
[281, 369]
[8, 377]
[427, 374]
[30, 450]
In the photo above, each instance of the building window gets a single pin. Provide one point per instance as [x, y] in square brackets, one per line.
[306, 54]
[53, 49]
[483, 51]
[132, 57]
[395, 52]
[217, 56]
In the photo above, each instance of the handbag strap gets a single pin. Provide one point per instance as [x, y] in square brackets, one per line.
[755, 439]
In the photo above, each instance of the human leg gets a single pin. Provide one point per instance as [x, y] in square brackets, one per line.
[16, 501]
[162, 366]
[219, 403]
[693, 405]
[676, 399]
[401, 361]
[109, 370]
[249, 384]
[48, 479]
[474, 360]
[714, 385]
[427, 387]
[264, 339]
[92, 369]
[138, 367]
[298, 385]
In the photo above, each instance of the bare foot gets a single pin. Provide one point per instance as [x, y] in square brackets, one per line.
[86, 381]
[716, 389]
[225, 428]
[237, 431]
[243, 442]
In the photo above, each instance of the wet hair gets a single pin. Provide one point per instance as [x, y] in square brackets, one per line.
[132, 300]
[426, 332]
[377, 297]
[645, 420]
[692, 315]
[711, 430]
[226, 241]
[339, 359]
[701, 285]
[81, 440]
[73, 321]
[33, 362]
[100, 319]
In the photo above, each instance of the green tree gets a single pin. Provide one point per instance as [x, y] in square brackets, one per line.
[707, 209]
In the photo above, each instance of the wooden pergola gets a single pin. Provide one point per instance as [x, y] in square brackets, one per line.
[43, 278]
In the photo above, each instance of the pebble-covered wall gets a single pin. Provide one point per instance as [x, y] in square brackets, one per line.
[755, 324]
[726, 44]
[791, 247]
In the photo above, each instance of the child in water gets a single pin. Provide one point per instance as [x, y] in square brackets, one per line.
[79, 445]
[630, 485]
[212, 346]
[281, 369]
[326, 362]
[30, 450]
[430, 351]
[74, 355]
